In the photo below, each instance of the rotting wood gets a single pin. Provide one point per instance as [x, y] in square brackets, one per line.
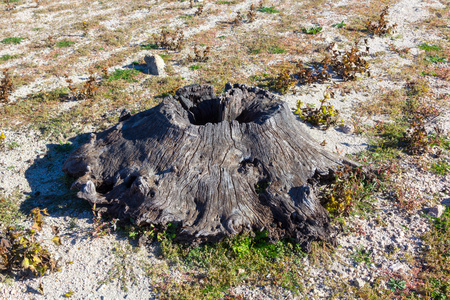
[215, 165]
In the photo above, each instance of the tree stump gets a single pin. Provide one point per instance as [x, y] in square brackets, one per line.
[215, 165]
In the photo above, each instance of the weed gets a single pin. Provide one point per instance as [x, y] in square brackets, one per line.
[339, 25]
[199, 56]
[440, 167]
[325, 115]
[268, 10]
[345, 64]
[64, 44]
[12, 40]
[99, 227]
[171, 40]
[6, 87]
[348, 63]
[238, 20]
[349, 191]
[251, 15]
[199, 10]
[126, 75]
[87, 91]
[312, 30]
[381, 27]
[396, 284]
[20, 251]
[283, 82]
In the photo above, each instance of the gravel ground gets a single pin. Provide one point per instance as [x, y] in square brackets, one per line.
[109, 268]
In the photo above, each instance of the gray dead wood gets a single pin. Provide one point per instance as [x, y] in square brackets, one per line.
[215, 165]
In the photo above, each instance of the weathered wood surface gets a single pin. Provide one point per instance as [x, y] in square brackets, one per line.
[217, 165]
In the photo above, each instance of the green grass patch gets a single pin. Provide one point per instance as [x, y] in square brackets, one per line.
[440, 167]
[8, 57]
[149, 46]
[64, 44]
[277, 50]
[437, 259]
[214, 270]
[226, 2]
[126, 75]
[428, 47]
[12, 40]
[195, 67]
[435, 59]
[268, 10]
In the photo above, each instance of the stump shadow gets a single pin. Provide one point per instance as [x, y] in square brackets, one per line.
[50, 187]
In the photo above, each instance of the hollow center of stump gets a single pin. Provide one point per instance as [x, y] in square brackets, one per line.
[213, 111]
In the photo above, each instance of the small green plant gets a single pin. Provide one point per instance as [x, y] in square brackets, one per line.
[325, 114]
[64, 44]
[195, 67]
[268, 10]
[126, 75]
[339, 25]
[362, 256]
[12, 40]
[440, 167]
[428, 47]
[435, 59]
[312, 30]
[396, 284]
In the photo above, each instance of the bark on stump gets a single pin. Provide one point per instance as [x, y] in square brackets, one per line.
[216, 165]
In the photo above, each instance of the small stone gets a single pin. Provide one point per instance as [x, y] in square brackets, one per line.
[347, 129]
[396, 267]
[359, 283]
[155, 64]
[436, 211]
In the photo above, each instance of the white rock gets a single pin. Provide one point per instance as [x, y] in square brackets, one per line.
[155, 64]
[359, 283]
[347, 128]
[436, 211]
[397, 267]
